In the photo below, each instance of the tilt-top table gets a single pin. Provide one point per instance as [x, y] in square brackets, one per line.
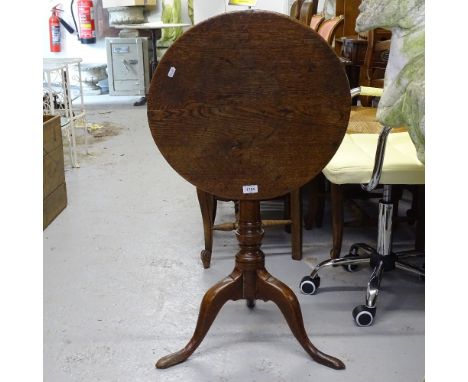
[249, 106]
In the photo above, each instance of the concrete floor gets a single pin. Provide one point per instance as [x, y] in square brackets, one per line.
[123, 282]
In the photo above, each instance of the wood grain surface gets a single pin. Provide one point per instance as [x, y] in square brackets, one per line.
[249, 98]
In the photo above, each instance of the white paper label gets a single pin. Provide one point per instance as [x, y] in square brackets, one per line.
[171, 72]
[251, 189]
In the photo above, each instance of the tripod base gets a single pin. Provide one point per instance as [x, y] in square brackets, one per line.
[250, 281]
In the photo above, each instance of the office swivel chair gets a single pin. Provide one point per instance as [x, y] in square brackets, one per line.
[353, 164]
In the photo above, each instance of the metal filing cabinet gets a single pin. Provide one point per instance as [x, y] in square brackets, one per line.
[127, 65]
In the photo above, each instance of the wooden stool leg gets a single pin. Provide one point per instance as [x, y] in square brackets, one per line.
[296, 226]
[228, 289]
[270, 288]
[208, 210]
[287, 212]
[336, 196]
[313, 203]
[215, 207]
[321, 200]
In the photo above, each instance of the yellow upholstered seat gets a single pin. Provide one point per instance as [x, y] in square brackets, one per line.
[353, 163]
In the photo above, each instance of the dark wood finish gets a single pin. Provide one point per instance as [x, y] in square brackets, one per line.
[328, 28]
[350, 50]
[256, 99]
[336, 197]
[296, 223]
[353, 49]
[54, 188]
[250, 281]
[295, 11]
[316, 21]
[365, 58]
[242, 82]
[207, 204]
[376, 50]
[375, 61]
[316, 194]
[350, 10]
[291, 220]
[308, 9]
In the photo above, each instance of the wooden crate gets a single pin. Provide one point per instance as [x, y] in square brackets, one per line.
[54, 188]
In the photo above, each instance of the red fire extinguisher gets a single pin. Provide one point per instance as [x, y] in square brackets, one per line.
[87, 29]
[54, 30]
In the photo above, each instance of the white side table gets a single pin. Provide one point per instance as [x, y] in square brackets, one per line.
[58, 97]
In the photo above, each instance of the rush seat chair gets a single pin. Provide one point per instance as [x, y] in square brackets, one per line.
[291, 220]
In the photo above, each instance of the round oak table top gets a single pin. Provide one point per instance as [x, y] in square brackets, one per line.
[249, 105]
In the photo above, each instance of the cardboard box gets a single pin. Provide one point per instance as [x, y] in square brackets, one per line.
[126, 3]
[54, 188]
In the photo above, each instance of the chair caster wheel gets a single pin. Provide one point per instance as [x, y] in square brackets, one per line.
[364, 316]
[309, 285]
[350, 267]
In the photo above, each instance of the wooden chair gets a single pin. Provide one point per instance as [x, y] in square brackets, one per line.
[362, 121]
[372, 71]
[295, 10]
[316, 21]
[308, 9]
[303, 10]
[328, 28]
[291, 219]
[376, 58]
